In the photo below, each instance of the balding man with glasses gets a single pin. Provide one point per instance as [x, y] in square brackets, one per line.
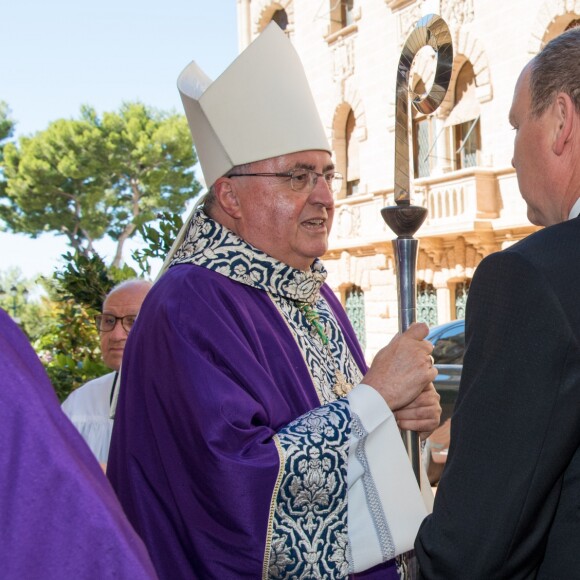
[89, 406]
[249, 428]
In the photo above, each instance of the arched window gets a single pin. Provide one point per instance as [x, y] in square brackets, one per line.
[426, 304]
[352, 156]
[464, 120]
[355, 309]
[281, 18]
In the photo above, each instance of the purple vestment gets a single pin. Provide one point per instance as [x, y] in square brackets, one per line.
[60, 518]
[214, 392]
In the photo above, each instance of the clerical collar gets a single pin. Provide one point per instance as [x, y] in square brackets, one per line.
[209, 244]
[575, 211]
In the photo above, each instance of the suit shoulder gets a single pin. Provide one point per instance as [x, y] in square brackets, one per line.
[550, 238]
[546, 247]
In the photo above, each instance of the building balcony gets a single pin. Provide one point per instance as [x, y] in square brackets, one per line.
[459, 202]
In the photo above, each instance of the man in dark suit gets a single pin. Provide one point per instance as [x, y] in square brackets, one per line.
[508, 505]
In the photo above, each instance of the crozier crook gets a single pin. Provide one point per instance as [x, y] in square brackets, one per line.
[405, 219]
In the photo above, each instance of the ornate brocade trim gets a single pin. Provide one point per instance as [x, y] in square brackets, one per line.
[317, 359]
[310, 538]
[273, 502]
[211, 245]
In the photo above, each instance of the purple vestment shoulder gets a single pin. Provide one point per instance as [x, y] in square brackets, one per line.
[59, 516]
[211, 372]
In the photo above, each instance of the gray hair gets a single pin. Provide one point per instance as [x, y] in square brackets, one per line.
[556, 69]
[209, 199]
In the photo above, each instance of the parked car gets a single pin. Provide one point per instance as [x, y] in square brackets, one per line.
[449, 345]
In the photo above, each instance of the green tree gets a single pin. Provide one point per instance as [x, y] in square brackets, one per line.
[6, 125]
[69, 347]
[6, 132]
[18, 297]
[96, 177]
[159, 238]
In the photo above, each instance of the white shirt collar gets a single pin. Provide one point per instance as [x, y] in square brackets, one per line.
[575, 211]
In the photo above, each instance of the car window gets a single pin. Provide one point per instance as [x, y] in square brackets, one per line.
[449, 346]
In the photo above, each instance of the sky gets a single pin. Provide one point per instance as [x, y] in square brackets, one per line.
[58, 55]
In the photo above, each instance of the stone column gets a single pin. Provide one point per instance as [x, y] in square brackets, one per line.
[443, 304]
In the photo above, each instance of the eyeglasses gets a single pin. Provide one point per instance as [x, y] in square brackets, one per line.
[302, 179]
[107, 322]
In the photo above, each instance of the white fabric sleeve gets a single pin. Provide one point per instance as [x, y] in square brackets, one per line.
[385, 504]
[88, 410]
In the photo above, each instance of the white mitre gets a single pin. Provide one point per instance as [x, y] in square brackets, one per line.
[260, 107]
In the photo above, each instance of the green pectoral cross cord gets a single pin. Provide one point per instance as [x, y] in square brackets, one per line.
[313, 318]
[341, 386]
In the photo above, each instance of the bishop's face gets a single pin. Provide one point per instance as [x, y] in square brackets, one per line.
[291, 226]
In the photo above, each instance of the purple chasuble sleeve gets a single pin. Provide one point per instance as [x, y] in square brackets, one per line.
[59, 516]
[211, 374]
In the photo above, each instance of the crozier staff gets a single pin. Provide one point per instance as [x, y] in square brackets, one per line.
[251, 440]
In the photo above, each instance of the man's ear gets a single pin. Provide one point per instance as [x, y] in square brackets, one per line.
[565, 116]
[227, 197]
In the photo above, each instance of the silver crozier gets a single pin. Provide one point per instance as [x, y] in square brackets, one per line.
[405, 219]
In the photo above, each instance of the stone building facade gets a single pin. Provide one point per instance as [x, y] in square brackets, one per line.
[461, 154]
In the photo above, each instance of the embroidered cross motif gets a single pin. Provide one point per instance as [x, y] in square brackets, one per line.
[341, 385]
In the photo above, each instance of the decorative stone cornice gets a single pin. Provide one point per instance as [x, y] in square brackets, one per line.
[395, 5]
[457, 12]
